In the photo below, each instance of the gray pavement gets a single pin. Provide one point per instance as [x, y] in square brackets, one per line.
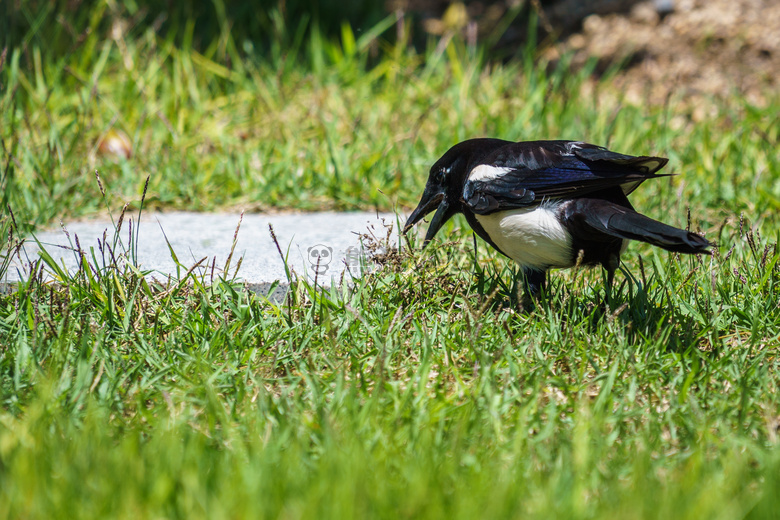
[323, 245]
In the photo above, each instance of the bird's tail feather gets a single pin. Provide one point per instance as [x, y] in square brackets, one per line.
[622, 222]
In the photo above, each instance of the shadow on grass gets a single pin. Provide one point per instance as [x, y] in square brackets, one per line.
[660, 307]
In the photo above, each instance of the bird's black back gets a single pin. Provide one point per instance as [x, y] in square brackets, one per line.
[533, 171]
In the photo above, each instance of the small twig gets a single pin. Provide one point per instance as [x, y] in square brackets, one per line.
[233, 246]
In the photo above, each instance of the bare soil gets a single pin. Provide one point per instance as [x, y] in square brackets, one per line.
[697, 48]
[710, 48]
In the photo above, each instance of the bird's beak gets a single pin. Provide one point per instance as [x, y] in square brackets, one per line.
[427, 204]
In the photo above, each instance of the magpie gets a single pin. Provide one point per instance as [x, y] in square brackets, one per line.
[548, 204]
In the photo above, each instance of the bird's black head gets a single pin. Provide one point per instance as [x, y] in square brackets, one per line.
[444, 188]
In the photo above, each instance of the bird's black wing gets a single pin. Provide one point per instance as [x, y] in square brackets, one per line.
[588, 216]
[523, 174]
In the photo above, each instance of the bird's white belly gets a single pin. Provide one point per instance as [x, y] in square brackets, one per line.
[532, 237]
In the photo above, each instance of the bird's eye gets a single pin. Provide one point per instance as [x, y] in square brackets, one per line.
[441, 175]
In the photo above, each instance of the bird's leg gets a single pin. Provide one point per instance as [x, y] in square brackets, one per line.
[534, 283]
[610, 276]
[610, 267]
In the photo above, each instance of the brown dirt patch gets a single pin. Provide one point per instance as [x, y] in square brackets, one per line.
[710, 48]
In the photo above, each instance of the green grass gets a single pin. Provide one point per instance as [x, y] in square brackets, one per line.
[312, 129]
[413, 394]
[420, 391]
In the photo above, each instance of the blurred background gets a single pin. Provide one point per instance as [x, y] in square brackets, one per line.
[343, 104]
[705, 46]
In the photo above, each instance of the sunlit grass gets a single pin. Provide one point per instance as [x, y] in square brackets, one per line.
[419, 392]
[320, 129]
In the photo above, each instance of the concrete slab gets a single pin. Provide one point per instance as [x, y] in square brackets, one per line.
[326, 246]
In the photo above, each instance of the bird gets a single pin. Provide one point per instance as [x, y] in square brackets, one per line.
[548, 204]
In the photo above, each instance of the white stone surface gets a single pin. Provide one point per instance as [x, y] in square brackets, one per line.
[209, 237]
